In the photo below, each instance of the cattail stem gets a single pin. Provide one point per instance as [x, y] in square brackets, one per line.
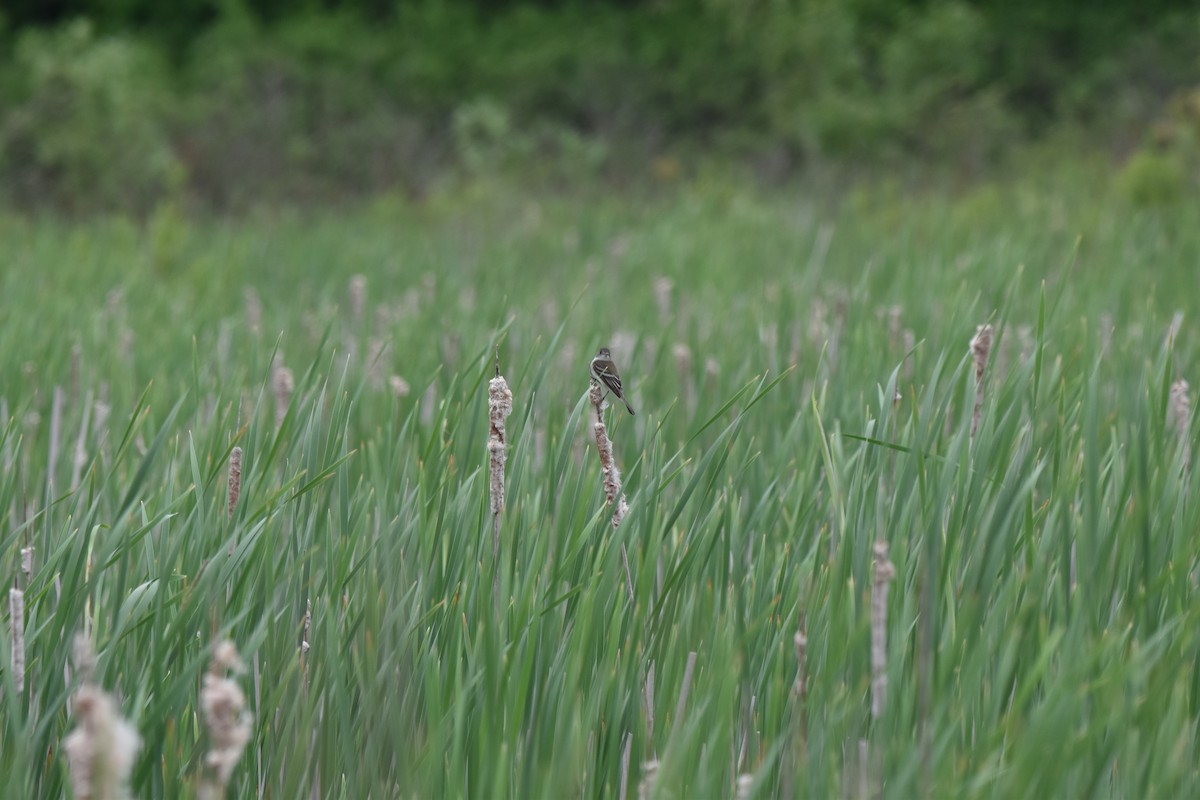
[981, 348]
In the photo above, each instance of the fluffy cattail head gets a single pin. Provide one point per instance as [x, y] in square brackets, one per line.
[400, 387]
[223, 706]
[101, 749]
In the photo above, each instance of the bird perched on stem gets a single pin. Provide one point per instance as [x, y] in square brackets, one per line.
[604, 372]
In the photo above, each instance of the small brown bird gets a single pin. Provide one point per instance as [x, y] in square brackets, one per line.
[605, 372]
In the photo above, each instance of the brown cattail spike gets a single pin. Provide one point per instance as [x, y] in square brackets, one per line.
[981, 348]
[500, 405]
[235, 478]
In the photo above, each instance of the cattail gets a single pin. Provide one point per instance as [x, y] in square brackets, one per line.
[253, 310]
[56, 414]
[649, 779]
[16, 621]
[1180, 415]
[683, 365]
[648, 702]
[358, 298]
[800, 687]
[744, 783]
[27, 562]
[626, 748]
[101, 749]
[885, 571]
[981, 347]
[609, 473]
[235, 478]
[662, 298]
[305, 636]
[223, 706]
[500, 405]
[400, 387]
[282, 383]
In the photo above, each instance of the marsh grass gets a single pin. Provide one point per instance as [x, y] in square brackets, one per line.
[1041, 629]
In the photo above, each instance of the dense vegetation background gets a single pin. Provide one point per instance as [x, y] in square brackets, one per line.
[122, 103]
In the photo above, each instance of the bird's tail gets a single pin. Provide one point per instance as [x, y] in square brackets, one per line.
[628, 407]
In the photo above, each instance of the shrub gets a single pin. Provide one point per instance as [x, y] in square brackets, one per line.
[85, 127]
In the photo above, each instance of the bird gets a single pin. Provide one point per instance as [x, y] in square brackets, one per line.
[604, 371]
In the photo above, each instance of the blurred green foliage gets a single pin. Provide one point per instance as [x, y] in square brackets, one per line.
[249, 101]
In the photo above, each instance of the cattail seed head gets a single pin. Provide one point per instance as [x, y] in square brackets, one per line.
[16, 621]
[283, 383]
[609, 474]
[649, 779]
[981, 348]
[400, 387]
[885, 571]
[100, 751]
[27, 562]
[235, 478]
[500, 402]
[253, 310]
[1180, 416]
[223, 706]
